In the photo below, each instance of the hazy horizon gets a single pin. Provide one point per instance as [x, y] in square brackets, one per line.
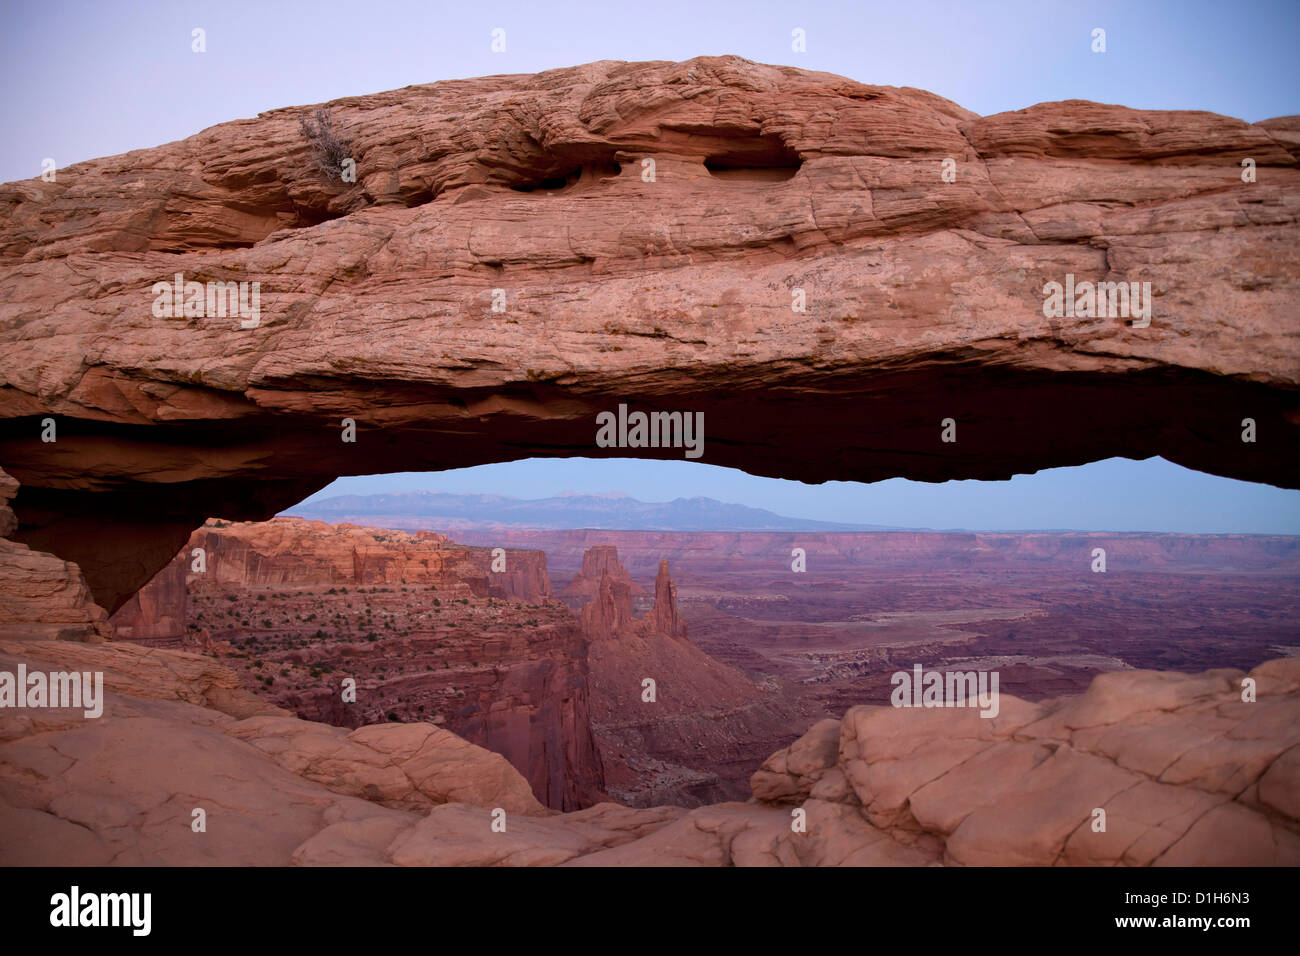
[1115, 495]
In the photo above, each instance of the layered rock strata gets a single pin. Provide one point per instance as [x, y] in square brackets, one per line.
[798, 269]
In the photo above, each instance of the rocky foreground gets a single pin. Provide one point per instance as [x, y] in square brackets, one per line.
[1185, 770]
[1188, 769]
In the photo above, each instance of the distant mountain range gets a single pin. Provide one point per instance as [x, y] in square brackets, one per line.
[440, 511]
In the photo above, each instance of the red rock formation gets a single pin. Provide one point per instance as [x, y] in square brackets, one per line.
[1188, 773]
[664, 617]
[1188, 770]
[524, 579]
[610, 612]
[291, 552]
[708, 723]
[517, 687]
[597, 561]
[42, 598]
[923, 299]
[156, 613]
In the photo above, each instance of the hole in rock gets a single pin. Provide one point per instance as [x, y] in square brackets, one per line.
[756, 159]
[780, 602]
[567, 178]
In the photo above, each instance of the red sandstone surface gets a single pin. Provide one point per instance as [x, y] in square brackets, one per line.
[922, 295]
[924, 298]
[1191, 769]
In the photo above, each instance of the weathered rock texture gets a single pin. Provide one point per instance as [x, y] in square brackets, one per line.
[42, 597]
[422, 624]
[291, 552]
[706, 726]
[596, 562]
[1187, 772]
[669, 292]
[156, 613]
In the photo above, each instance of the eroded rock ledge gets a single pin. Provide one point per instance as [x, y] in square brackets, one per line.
[1187, 772]
[924, 298]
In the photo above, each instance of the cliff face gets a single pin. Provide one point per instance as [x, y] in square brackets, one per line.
[157, 612]
[597, 562]
[797, 256]
[425, 626]
[42, 597]
[291, 552]
[697, 730]
[609, 613]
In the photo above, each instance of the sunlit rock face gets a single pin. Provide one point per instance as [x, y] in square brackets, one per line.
[789, 253]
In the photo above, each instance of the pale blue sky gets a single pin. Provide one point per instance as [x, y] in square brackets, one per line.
[1112, 495]
[91, 79]
[88, 79]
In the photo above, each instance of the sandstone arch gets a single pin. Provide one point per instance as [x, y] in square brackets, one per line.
[924, 296]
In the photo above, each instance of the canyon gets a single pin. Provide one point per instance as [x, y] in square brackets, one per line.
[744, 652]
[424, 628]
[1027, 604]
[800, 274]
[429, 632]
[1184, 769]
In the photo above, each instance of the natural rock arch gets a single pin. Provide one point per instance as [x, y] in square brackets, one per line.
[924, 298]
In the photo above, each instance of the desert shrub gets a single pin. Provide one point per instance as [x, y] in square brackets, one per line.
[328, 148]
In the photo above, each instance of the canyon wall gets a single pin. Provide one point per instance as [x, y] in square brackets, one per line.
[42, 597]
[290, 552]
[423, 625]
[156, 614]
[694, 733]
[695, 551]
